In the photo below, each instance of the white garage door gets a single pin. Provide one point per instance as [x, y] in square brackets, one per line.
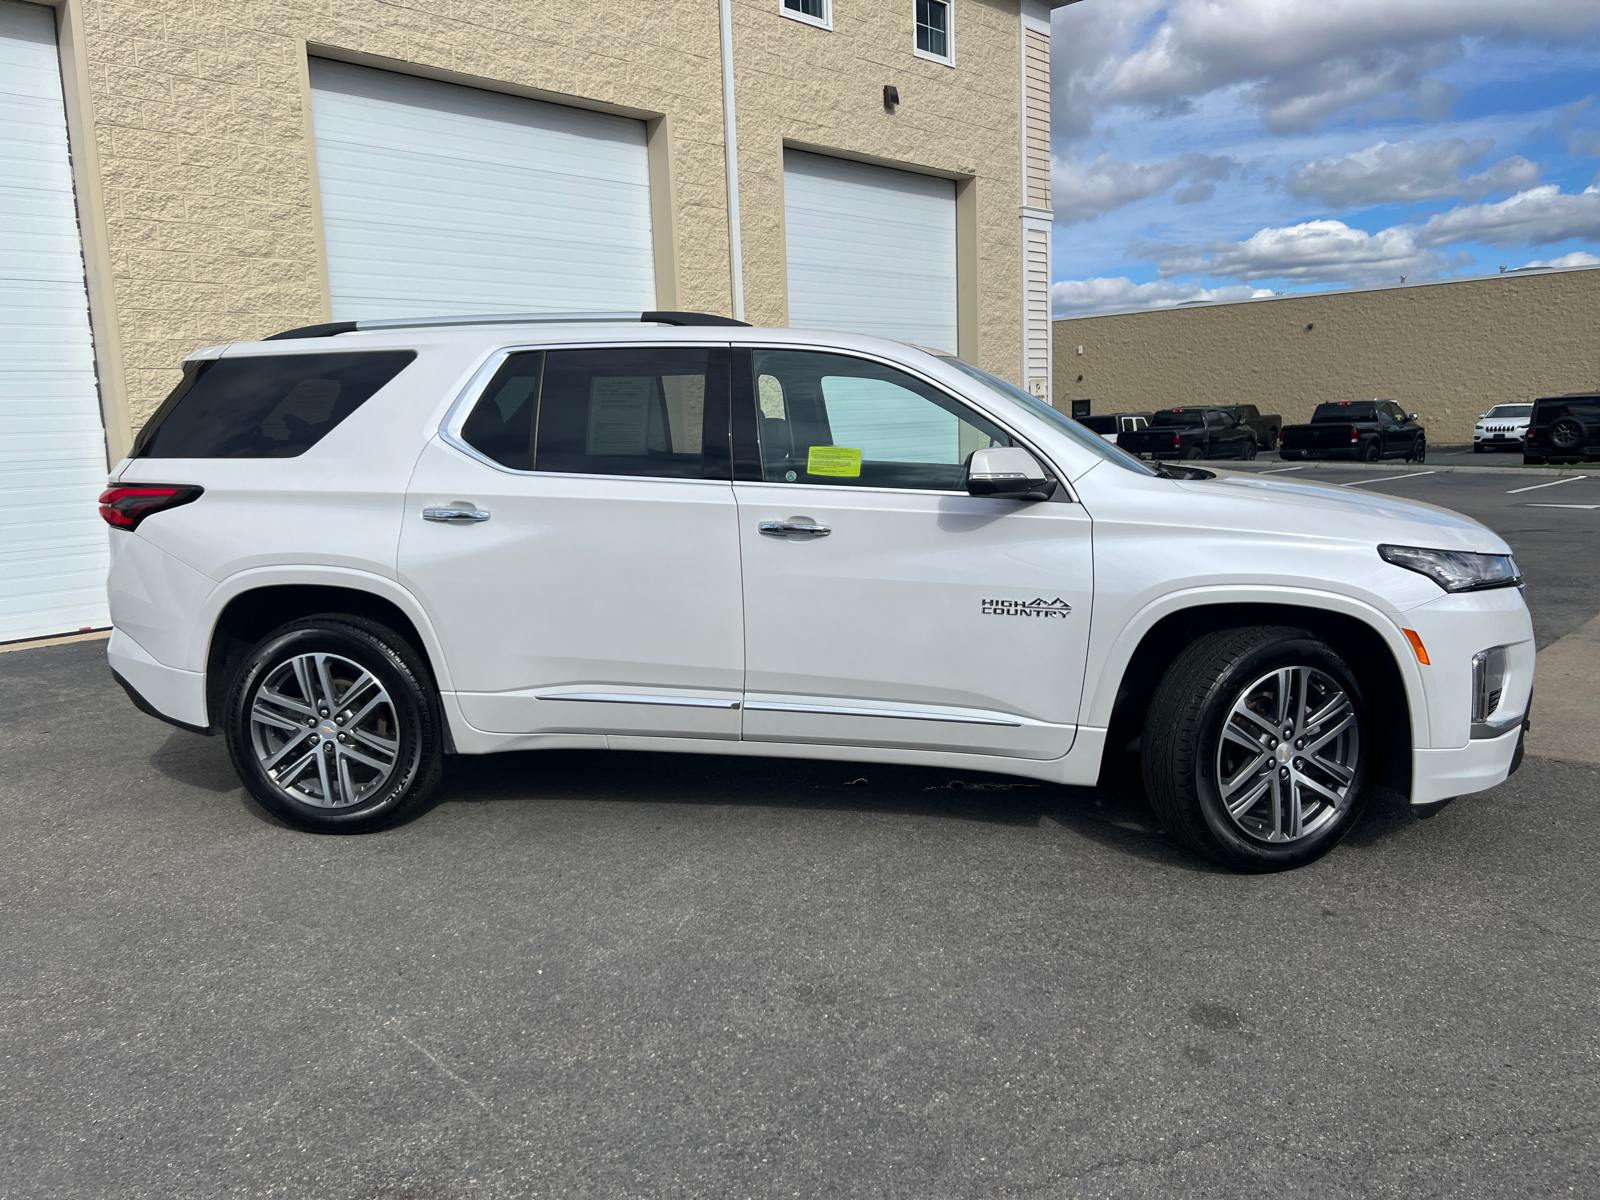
[53, 545]
[871, 250]
[445, 199]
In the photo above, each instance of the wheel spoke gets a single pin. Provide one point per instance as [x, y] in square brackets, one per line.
[1260, 722]
[288, 703]
[1296, 813]
[283, 751]
[1338, 770]
[325, 681]
[1243, 775]
[345, 785]
[1327, 735]
[1248, 799]
[266, 716]
[389, 746]
[293, 772]
[376, 764]
[302, 677]
[1324, 714]
[1328, 795]
[356, 688]
[381, 698]
[329, 795]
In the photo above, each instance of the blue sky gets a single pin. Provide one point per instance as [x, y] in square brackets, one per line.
[1219, 149]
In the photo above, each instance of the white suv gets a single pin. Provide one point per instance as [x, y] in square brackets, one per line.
[357, 548]
[1502, 425]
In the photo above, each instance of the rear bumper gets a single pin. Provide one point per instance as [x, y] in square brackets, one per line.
[1351, 452]
[178, 697]
[1443, 774]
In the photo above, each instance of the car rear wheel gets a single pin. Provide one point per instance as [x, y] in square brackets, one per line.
[1194, 453]
[1371, 452]
[334, 727]
[1255, 746]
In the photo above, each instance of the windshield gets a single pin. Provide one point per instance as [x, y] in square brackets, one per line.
[1345, 410]
[1085, 438]
[1510, 410]
[1179, 418]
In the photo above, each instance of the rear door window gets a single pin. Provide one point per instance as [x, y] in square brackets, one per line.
[265, 406]
[644, 411]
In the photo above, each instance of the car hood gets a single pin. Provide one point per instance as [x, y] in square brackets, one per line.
[1348, 514]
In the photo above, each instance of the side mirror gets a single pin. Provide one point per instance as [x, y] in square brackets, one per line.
[1411, 416]
[1009, 473]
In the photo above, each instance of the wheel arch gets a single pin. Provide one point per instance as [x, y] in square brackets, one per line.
[252, 608]
[1393, 693]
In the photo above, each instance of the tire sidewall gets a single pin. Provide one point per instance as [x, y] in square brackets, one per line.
[411, 707]
[1299, 651]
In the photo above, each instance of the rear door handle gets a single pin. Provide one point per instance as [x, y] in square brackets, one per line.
[455, 516]
[780, 528]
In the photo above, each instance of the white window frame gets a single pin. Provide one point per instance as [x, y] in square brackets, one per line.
[948, 59]
[823, 22]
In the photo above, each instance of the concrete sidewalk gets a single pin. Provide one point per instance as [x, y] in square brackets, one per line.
[1566, 700]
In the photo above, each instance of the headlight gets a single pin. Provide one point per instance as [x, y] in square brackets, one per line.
[1456, 570]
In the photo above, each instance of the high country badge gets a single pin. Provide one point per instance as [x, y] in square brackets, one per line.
[1027, 608]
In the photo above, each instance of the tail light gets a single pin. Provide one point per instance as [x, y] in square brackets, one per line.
[1355, 435]
[125, 507]
[1177, 441]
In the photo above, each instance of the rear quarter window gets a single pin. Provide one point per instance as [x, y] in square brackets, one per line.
[1585, 408]
[265, 406]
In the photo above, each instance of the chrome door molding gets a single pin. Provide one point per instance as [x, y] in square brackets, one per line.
[897, 714]
[641, 698]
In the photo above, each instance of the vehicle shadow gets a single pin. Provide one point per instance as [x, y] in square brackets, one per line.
[1116, 814]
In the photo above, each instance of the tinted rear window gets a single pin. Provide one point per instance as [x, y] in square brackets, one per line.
[1355, 410]
[265, 406]
[1585, 408]
[1179, 420]
[1098, 424]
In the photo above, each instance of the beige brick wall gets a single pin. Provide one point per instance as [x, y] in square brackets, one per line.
[206, 157]
[1446, 351]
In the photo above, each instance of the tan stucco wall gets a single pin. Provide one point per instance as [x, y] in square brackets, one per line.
[1446, 351]
[201, 126]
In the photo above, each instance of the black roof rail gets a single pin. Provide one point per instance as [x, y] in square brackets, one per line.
[334, 328]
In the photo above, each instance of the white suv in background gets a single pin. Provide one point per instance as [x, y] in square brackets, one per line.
[1505, 426]
[355, 549]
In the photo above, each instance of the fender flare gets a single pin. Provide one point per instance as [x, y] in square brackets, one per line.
[1106, 680]
[349, 578]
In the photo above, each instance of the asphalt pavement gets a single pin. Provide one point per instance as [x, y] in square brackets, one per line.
[676, 976]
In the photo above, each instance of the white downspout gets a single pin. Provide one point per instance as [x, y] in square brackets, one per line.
[730, 142]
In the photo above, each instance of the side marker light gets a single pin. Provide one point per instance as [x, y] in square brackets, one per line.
[1416, 644]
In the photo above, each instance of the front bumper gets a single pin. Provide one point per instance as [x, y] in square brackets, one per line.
[1444, 774]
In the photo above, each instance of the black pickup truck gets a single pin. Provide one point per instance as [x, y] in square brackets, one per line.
[1365, 430]
[1191, 433]
[1265, 428]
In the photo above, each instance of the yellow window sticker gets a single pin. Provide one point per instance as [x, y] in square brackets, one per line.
[833, 460]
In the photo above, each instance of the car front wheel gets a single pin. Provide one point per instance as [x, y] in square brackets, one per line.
[1255, 746]
[1419, 450]
[333, 725]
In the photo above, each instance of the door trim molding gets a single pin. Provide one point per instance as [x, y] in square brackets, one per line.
[829, 710]
[640, 698]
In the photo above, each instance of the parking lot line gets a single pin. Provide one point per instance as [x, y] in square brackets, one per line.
[1388, 478]
[1552, 483]
[1531, 505]
[1281, 470]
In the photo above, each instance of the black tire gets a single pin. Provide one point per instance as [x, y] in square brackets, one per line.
[1250, 451]
[408, 717]
[1532, 460]
[1419, 450]
[1478, 447]
[1194, 453]
[1566, 436]
[1371, 452]
[1272, 440]
[1182, 745]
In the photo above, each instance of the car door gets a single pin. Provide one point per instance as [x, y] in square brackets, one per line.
[1397, 434]
[883, 605]
[572, 534]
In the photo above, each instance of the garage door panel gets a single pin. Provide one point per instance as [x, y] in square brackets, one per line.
[445, 199]
[53, 549]
[870, 250]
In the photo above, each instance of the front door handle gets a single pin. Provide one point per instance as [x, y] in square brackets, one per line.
[781, 528]
[456, 515]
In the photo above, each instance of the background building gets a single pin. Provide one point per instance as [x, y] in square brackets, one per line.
[178, 173]
[1446, 351]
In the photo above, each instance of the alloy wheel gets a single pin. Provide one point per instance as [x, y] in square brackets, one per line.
[325, 731]
[1288, 755]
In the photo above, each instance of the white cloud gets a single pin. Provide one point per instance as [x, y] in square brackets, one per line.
[1082, 190]
[1578, 258]
[1298, 62]
[1084, 297]
[1406, 172]
[1536, 217]
[1313, 252]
